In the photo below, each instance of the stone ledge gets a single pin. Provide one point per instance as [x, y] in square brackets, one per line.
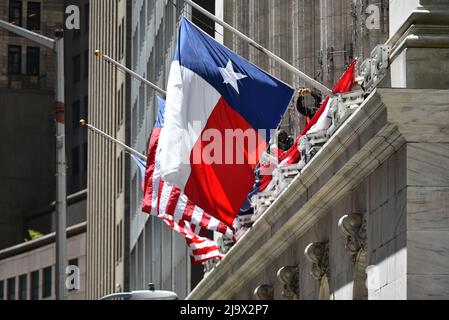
[320, 185]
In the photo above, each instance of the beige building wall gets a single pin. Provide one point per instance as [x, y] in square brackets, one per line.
[26, 125]
[35, 256]
[106, 166]
[319, 37]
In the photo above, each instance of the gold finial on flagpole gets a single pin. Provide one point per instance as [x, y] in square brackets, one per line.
[83, 122]
[98, 53]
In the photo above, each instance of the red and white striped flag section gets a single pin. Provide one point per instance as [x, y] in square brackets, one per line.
[167, 202]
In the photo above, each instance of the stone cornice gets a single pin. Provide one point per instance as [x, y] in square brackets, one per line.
[438, 16]
[358, 147]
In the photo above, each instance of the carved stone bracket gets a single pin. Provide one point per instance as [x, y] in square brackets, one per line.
[353, 227]
[318, 254]
[289, 276]
[264, 292]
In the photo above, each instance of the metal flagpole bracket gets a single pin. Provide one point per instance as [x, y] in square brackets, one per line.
[105, 57]
[130, 150]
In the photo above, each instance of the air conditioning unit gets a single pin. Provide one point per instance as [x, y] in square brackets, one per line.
[342, 107]
[283, 176]
[374, 69]
[261, 202]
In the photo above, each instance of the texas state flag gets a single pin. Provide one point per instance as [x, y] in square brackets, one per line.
[221, 112]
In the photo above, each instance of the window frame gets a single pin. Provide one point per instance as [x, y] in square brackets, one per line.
[17, 64]
[28, 58]
[30, 20]
[10, 11]
[23, 287]
[47, 291]
[34, 287]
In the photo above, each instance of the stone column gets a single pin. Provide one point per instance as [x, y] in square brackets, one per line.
[419, 40]
[419, 31]
[422, 117]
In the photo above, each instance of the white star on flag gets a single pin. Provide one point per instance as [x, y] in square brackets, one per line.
[230, 76]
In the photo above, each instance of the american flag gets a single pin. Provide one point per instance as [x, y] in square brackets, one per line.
[167, 202]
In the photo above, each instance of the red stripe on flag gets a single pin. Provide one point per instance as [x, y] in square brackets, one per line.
[173, 201]
[151, 164]
[188, 211]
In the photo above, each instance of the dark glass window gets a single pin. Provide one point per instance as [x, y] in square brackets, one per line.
[23, 290]
[86, 108]
[2, 290]
[14, 59]
[75, 161]
[85, 157]
[34, 16]
[86, 63]
[46, 289]
[73, 262]
[76, 60]
[34, 285]
[12, 289]
[86, 18]
[15, 12]
[33, 61]
[76, 114]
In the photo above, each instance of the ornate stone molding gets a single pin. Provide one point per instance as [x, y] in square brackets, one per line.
[353, 227]
[318, 254]
[365, 140]
[264, 292]
[289, 276]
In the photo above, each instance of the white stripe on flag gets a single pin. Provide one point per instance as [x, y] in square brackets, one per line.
[165, 196]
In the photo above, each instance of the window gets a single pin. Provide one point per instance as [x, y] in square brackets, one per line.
[120, 174]
[86, 108]
[134, 122]
[86, 18]
[46, 289]
[119, 242]
[12, 289]
[14, 59]
[142, 104]
[33, 61]
[86, 64]
[76, 60]
[34, 16]
[2, 290]
[85, 157]
[142, 25]
[34, 294]
[119, 106]
[76, 114]
[23, 290]
[135, 49]
[15, 12]
[75, 161]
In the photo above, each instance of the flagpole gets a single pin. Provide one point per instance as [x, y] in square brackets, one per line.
[105, 135]
[99, 53]
[312, 82]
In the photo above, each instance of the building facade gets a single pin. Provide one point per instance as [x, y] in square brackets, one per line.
[28, 160]
[106, 220]
[27, 75]
[127, 249]
[366, 217]
[27, 270]
[76, 57]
